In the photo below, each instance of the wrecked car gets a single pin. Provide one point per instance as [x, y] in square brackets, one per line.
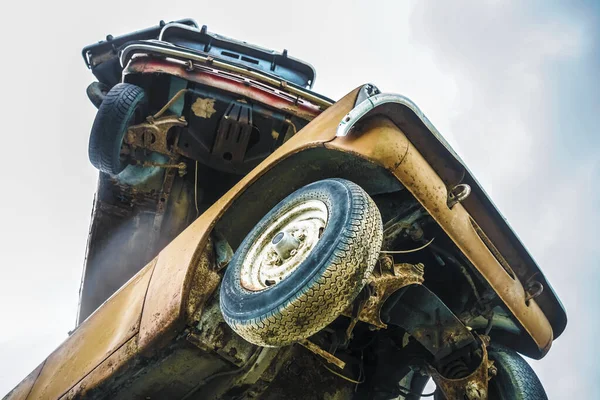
[251, 238]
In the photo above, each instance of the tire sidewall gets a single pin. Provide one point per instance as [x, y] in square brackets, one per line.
[110, 127]
[243, 305]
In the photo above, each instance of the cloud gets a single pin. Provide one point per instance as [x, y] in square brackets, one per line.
[519, 67]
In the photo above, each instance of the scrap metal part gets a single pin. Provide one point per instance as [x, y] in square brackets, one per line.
[330, 358]
[152, 134]
[471, 387]
[387, 278]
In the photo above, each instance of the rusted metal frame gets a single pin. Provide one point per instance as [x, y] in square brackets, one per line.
[211, 334]
[204, 282]
[471, 387]
[261, 93]
[152, 134]
[387, 278]
[146, 48]
[330, 358]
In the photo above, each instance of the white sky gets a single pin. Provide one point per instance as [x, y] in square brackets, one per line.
[513, 88]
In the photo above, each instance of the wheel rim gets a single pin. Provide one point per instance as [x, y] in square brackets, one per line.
[284, 245]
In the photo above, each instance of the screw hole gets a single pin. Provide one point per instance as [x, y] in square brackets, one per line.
[227, 156]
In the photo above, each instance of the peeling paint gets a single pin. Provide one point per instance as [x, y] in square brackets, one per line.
[204, 108]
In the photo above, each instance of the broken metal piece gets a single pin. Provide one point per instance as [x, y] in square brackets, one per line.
[330, 358]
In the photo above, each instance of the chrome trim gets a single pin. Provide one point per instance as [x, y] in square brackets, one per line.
[174, 52]
[378, 100]
[367, 90]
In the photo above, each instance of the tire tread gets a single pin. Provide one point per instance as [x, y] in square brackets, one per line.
[329, 293]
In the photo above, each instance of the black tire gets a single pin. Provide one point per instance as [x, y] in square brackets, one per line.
[96, 92]
[324, 284]
[515, 380]
[123, 106]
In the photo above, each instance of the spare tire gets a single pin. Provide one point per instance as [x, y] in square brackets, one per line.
[123, 106]
[303, 264]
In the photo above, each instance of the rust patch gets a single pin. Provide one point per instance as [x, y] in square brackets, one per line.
[152, 134]
[204, 108]
[330, 358]
[386, 279]
[204, 282]
[471, 387]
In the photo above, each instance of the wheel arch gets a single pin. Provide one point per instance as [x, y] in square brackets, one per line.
[299, 169]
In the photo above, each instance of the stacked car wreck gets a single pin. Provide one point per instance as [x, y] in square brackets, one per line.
[253, 239]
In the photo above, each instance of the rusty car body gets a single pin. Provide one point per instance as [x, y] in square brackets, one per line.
[164, 230]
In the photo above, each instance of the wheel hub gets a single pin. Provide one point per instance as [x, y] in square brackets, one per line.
[284, 245]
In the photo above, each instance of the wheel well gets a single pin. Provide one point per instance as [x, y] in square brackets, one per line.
[291, 174]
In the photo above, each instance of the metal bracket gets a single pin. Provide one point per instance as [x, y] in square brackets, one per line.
[532, 290]
[152, 134]
[233, 133]
[457, 194]
[471, 387]
[387, 278]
